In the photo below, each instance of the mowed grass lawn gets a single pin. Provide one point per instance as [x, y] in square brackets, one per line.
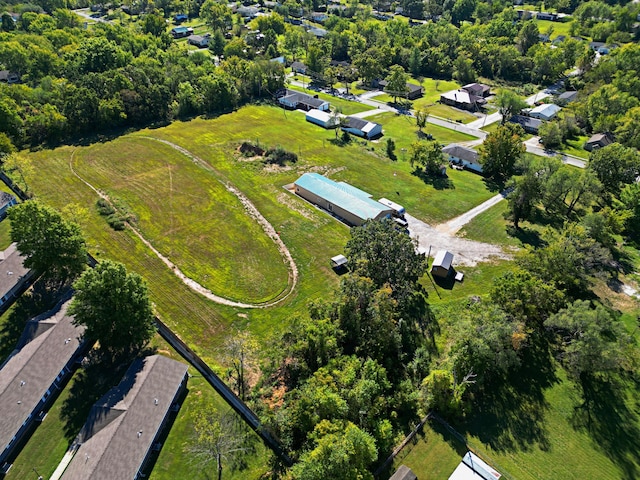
[188, 215]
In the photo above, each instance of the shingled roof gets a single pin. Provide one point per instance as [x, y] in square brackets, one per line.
[122, 426]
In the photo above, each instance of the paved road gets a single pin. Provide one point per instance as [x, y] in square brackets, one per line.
[533, 146]
[455, 224]
[86, 13]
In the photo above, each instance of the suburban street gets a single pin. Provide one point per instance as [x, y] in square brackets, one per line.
[472, 128]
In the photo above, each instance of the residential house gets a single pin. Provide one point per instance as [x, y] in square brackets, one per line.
[529, 125]
[299, 100]
[14, 277]
[567, 97]
[478, 89]
[125, 425]
[281, 60]
[524, 14]
[350, 204]
[248, 11]
[180, 17]
[200, 41]
[39, 367]
[412, 91]
[463, 100]
[362, 128]
[552, 17]
[322, 118]
[598, 140]
[441, 266]
[181, 32]
[6, 201]
[298, 67]
[558, 40]
[464, 156]
[546, 111]
[9, 77]
[473, 467]
[596, 45]
[319, 17]
[317, 32]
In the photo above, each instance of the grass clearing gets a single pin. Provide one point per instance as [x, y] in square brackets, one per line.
[450, 113]
[5, 233]
[556, 28]
[575, 147]
[188, 216]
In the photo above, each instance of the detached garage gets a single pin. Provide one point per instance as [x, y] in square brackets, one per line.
[362, 128]
[441, 266]
[324, 119]
[344, 201]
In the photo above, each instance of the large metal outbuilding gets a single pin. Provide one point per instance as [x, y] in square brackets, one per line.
[341, 199]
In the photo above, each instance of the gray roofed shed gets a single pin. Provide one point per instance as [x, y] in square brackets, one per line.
[124, 424]
[13, 273]
[442, 264]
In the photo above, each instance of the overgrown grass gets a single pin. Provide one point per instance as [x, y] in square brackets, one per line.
[575, 147]
[188, 216]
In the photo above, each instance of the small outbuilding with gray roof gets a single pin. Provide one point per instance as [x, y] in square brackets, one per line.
[441, 266]
[404, 473]
[37, 368]
[349, 203]
[124, 425]
[362, 128]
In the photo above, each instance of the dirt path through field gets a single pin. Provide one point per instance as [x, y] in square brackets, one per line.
[252, 211]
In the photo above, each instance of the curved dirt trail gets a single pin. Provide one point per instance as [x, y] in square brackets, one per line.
[252, 211]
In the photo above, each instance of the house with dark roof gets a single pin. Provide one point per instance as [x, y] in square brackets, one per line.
[348, 203]
[37, 369]
[464, 156]
[412, 91]
[303, 101]
[463, 100]
[6, 200]
[552, 17]
[124, 426]
[362, 128]
[567, 97]
[298, 67]
[528, 124]
[14, 277]
[598, 140]
[478, 89]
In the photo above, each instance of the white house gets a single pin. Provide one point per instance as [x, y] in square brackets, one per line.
[473, 467]
[463, 156]
[546, 111]
[322, 118]
[441, 266]
[199, 41]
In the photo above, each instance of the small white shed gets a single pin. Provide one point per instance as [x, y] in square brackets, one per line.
[324, 119]
[442, 264]
[339, 261]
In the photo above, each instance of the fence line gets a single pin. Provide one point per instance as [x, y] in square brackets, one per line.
[200, 365]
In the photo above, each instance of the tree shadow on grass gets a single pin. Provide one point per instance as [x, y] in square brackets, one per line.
[509, 415]
[439, 182]
[527, 236]
[37, 300]
[607, 416]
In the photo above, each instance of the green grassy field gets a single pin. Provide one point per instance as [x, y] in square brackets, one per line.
[189, 216]
[557, 28]
[450, 113]
[5, 233]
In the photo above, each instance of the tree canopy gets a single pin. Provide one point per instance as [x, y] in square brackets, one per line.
[114, 306]
[501, 150]
[50, 244]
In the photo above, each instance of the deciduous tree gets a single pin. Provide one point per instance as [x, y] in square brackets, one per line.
[397, 82]
[428, 155]
[509, 104]
[50, 244]
[114, 306]
[615, 166]
[501, 150]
